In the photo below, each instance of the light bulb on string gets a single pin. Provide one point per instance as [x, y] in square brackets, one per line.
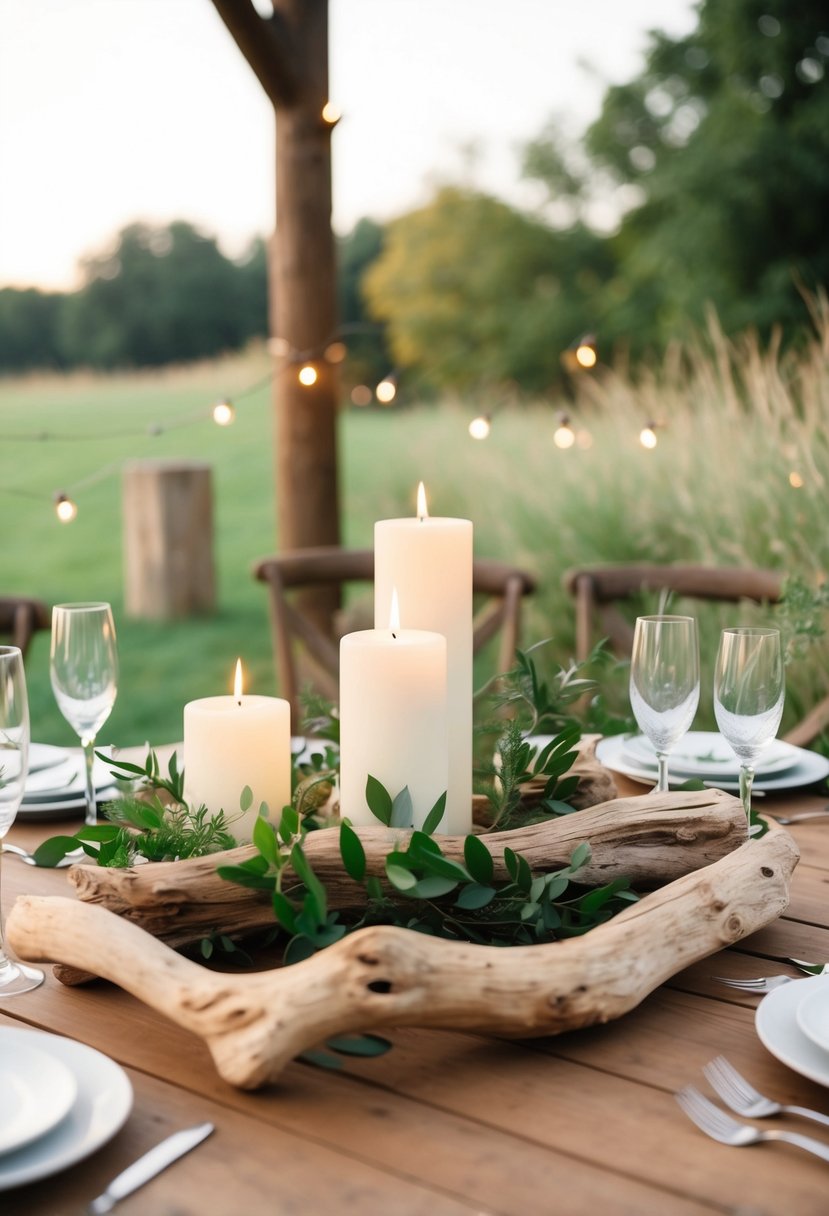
[361, 395]
[586, 356]
[386, 390]
[65, 509]
[307, 375]
[480, 427]
[335, 352]
[795, 480]
[278, 347]
[564, 436]
[331, 114]
[648, 437]
[224, 412]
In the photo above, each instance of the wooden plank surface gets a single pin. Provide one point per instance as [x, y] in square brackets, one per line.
[447, 1123]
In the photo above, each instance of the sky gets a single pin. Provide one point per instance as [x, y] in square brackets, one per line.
[117, 110]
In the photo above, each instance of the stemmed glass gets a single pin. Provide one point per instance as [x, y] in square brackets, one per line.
[749, 689]
[664, 682]
[84, 671]
[14, 769]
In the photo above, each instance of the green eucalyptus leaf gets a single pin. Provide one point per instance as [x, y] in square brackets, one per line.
[206, 947]
[580, 856]
[478, 859]
[400, 879]
[402, 811]
[432, 887]
[318, 1058]
[474, 896]
[246, 798]
[379, 800]
[359, 1045]
[298, 949]
[264, 838]
[303, 871]
[284, 912]
[432, 821]
[352, 853]
[288, 824]
[246, 878]
[511, 862]
[556, 885]
[53, 850]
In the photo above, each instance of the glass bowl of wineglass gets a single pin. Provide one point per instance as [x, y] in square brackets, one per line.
[664, 683]
[749, 691]
[14, 769]
[84, 672]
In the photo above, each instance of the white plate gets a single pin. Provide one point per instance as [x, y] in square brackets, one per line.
[36, 1091]
[705, 753]
[813, 1017]
[778, 1031]
[63, 808]
[44, 755]
[65, 780]
[103, 1103]
[810, 767]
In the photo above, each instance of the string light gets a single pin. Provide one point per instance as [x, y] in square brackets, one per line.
[480, 427]
[586, 355]
[65, 509]
[335, 352]
[648, 437]
[224, 412]
[795, 480]
[331, 114]
[307, 375]
[564, 436]
[386, 390]
[361, 395]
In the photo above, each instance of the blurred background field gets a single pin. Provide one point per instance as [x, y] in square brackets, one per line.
[738, 477]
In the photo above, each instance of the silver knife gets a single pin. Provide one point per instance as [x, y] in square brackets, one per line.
[146, 1167]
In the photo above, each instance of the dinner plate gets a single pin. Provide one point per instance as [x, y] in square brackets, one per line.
[45, 755]
[778, 1031]
[813, 1017]
[706, 754]
[63, 808]
[65, 780]
[103, 1102]
[809, 768]
[36, 1091]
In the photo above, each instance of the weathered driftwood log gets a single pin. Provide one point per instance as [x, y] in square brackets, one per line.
[651, 839]
[385, 976]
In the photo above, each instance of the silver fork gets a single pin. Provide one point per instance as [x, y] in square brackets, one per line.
[720, 1126]
[762, 984]
[737, 1093]
[802, 816]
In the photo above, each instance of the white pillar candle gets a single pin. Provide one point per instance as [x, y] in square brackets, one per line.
[429, 562]
[233, 742]
[392, 719]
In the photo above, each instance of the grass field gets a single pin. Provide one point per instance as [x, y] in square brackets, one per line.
[739, 476]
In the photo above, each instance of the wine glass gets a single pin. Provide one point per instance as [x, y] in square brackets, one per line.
[14, 769]
[664, 682]
[84, 671]
[749, 689]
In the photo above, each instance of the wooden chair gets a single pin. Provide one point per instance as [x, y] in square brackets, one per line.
[504, 587]
[598, 590]
[20, 619]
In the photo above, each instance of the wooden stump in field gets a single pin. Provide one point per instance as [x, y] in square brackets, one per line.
[168, 539]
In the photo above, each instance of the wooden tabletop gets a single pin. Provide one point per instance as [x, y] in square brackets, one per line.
[447, 1123]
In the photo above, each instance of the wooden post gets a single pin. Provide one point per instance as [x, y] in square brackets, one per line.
[168, 539]
[288, 52]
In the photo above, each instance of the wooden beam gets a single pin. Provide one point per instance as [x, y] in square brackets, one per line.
[267, 43]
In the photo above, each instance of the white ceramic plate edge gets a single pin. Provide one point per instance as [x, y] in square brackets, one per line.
[104, 1101]
[811, 767]
[50, 1089]
[775, 1021]
[810, 1021]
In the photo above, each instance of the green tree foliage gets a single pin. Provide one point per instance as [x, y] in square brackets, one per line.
[725, 134]
[474, 292]
[28, 329]
[159, 294]
[368, 356]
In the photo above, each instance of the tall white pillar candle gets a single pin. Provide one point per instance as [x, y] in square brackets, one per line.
[235, 741]
[429, 562]
[392, 719]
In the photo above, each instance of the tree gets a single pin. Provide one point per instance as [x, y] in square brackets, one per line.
[725, 134]
[474, 292]
[29, 322]
[158, 294]
[368, 355]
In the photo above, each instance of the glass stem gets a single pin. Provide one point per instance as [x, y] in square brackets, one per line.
[746, 781]
[91, 817]
[662, 773]
[4, 962]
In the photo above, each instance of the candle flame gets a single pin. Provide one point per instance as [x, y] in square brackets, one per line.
[394, 615]
[422, 509]
[237, 682]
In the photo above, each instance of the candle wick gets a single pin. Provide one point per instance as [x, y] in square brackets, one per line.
[239, 702]
[394, 635]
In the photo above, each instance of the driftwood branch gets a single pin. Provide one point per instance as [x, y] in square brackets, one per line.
[650, 839]
[385, 976]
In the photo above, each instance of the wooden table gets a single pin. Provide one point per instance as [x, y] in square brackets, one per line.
[448, 1123]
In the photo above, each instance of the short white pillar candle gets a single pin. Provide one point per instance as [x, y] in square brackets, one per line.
[235, 741]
